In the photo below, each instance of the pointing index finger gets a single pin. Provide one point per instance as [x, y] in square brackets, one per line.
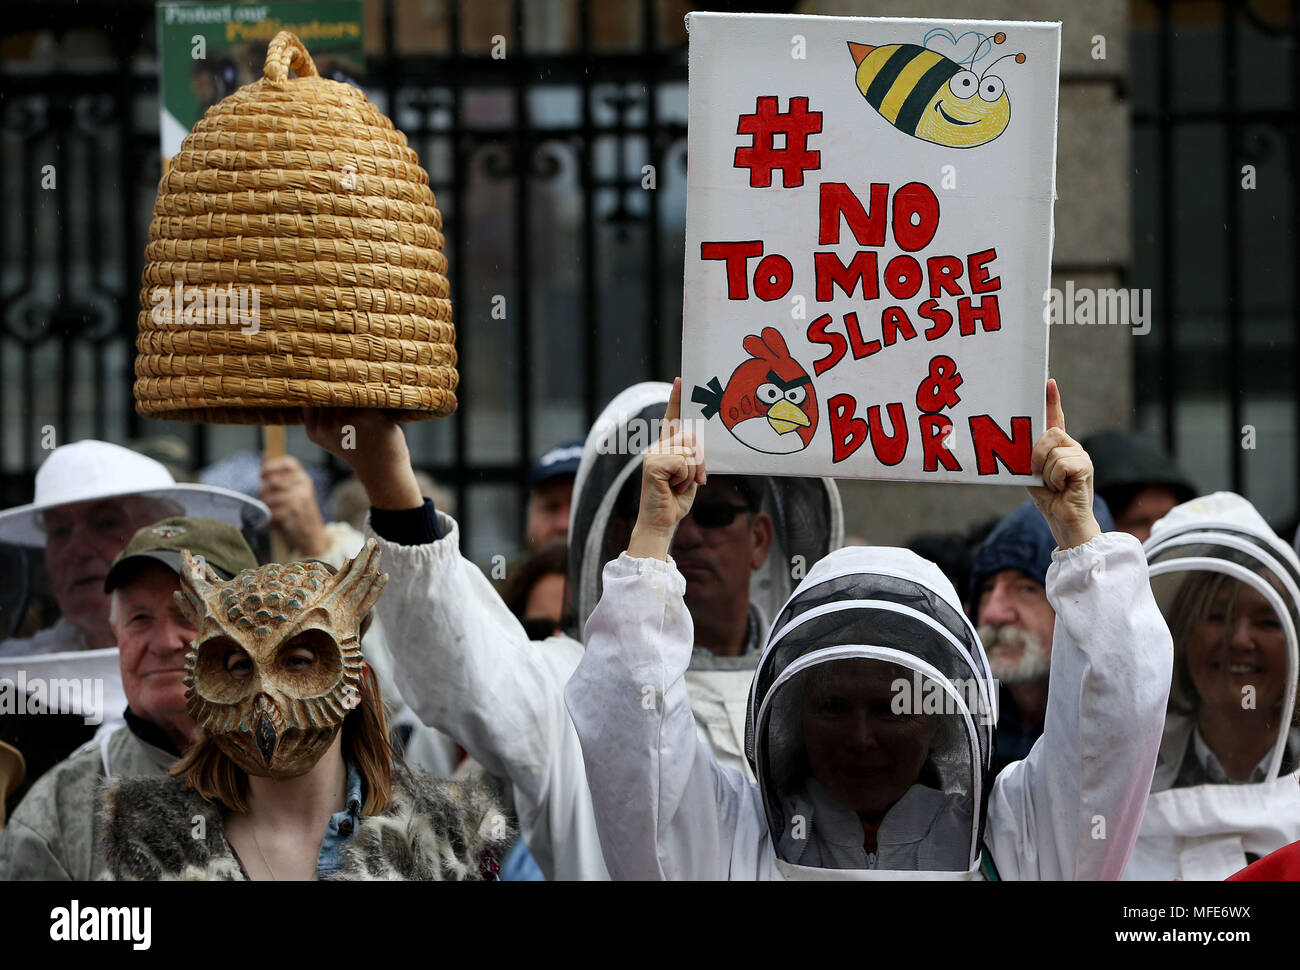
[672, 416]
[1055, 415]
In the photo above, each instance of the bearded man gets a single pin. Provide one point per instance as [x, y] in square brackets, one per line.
[1009, 607]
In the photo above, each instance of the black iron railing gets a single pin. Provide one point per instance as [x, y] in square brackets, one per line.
[1216, 88]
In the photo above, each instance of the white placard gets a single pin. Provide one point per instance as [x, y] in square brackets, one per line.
[868, 244]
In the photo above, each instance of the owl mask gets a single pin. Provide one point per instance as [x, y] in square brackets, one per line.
[276, 665]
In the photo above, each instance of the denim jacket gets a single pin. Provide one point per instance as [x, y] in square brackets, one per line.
[343, 825]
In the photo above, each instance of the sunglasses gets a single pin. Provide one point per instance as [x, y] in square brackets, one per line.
[716, 515]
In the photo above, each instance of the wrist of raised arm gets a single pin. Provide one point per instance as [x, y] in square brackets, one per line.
[390, 484]
[649, 542]
[1072, 534]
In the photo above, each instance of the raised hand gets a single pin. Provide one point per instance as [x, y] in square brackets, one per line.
[288, 492]
[671, 471]
[1065, 497]
[371, 443]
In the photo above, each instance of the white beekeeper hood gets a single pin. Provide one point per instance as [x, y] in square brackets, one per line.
[871, 719]
[807, 518]
[1229, 589]
[86, 471]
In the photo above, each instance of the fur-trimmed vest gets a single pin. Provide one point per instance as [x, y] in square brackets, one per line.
[160, 828]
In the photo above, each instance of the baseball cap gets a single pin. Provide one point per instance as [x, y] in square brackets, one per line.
[561, 460]
[221, 545]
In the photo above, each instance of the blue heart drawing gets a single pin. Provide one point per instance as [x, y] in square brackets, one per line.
[968, 59]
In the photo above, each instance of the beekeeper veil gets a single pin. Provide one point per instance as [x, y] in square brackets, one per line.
[871, 721]
[806, 515]
[1229, 590]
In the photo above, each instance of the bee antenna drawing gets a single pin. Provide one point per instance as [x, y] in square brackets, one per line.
[1020, 59]
[980, 52]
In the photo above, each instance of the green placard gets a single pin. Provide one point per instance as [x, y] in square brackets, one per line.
[208, 50]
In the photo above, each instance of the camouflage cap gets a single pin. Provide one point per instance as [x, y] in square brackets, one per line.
[221, 545]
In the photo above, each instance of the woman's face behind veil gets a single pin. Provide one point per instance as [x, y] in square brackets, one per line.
[1237, 654]
[862, 752]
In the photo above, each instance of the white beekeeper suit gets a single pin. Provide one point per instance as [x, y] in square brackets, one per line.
[1230, 592]
[467, 667]
[826, 731]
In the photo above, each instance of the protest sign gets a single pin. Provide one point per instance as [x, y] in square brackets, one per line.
[868, 245]
[208, 50]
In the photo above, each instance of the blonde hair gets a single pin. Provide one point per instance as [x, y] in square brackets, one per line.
[210, 772]
[1187, 615]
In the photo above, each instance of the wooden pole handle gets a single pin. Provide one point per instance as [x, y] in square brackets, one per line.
[273, 447]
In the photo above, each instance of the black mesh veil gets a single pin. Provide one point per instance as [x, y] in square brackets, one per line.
[871, 719]
[866, 761]
[881, 621]
[899, 590]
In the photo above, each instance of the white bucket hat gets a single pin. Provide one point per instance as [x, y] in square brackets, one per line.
[86, 471]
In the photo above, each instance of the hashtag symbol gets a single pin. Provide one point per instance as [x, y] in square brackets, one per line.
[763, 155]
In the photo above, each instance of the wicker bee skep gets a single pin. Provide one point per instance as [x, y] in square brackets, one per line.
[295, 259]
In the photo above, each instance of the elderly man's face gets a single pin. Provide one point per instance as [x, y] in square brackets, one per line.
[81, 541]
[153, 637]
[1016, 622]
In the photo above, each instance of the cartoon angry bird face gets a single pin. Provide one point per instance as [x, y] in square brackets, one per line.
[922, 93]
[768, 403]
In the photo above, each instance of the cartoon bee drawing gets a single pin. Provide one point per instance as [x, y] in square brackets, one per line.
[924, 94]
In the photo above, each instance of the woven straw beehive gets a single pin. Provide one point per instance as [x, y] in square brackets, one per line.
[294, 259]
